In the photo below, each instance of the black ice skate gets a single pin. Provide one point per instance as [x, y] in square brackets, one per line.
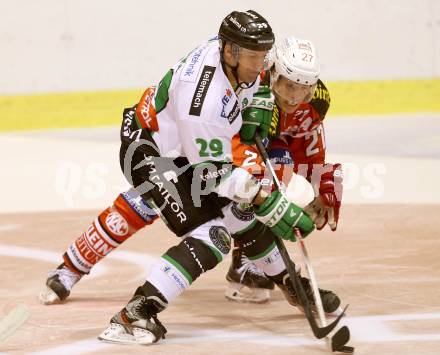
[330, 301]
[137, 322]
[58, 285]
[247, 283]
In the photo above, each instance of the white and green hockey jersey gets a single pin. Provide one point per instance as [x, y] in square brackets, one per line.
[196, 107]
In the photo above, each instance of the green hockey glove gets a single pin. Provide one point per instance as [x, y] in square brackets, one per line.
[257, 116]
[283, 216]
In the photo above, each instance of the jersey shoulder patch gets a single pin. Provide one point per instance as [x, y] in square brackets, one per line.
[321, 99]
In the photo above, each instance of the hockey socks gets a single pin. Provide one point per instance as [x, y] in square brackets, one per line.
[182, 264]
[110, 229]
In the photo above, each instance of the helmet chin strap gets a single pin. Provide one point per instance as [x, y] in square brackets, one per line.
[242, 84]
[234, 71]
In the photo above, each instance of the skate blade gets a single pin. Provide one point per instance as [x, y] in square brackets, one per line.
[117, 334]
[48, 297]
[239, 293]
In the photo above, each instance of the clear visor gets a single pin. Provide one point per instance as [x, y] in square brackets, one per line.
[252, 60]
[291, 92]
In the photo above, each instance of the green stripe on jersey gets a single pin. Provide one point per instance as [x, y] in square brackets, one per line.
[264, 253]
[162, 91]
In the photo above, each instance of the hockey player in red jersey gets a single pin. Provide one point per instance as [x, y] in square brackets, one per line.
[297, 146]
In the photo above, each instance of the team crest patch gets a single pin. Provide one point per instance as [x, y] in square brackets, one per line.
[220, 238]
[241, 213]
[117, 224]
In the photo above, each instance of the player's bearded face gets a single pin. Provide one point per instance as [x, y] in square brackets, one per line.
[251, 63]
[289, 95]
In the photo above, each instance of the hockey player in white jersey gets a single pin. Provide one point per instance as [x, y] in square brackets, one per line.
[130, 213]
[179, 157]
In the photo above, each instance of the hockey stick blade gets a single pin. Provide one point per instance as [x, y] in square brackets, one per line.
[324, 331]
[317, 331]
[346, 350]
[340, 338]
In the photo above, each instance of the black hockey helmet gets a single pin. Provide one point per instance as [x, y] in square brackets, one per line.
[247, 29]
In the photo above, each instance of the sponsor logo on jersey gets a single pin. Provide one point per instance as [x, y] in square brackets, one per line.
[225, 100]
[234, 113]
[280, 156]
[117, 224]
[201, 90]
[128, 120]
[167, 189]
[146, 112]
[321, 93]
[192, 66]
[263, 103]
[214, 174]
[130, 129]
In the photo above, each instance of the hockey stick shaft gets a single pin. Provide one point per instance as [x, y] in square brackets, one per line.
[318, 332]
[303, 249]
[313, 281]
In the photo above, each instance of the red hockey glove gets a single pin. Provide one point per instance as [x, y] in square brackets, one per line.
[325, 207]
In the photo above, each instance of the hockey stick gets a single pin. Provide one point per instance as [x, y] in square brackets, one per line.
[342, 336]
[13, 320]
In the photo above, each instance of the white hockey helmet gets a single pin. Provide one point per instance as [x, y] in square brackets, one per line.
[296, 60]
[294, 71]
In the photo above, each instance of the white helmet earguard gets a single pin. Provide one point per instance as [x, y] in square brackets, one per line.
[296, 60]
